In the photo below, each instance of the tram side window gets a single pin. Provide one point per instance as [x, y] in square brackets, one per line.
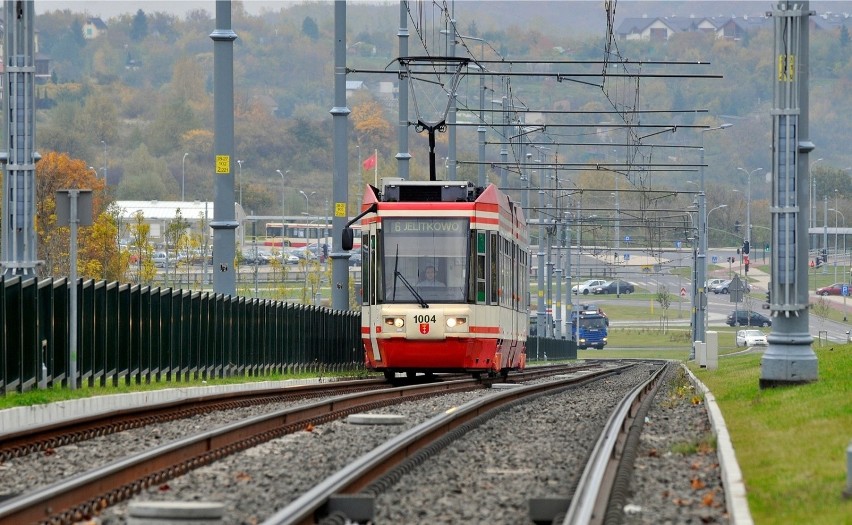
[476, 290]
[367, 296]
[493, 282]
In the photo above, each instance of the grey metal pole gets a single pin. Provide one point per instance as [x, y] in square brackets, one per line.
[19, 250]
[812, 206]
[481, 129]
[789, 358]
[451, 114]
[340, 185]
[73, 221]
[403, 157]
[541, 315]
[283, 213]
[224, 223]
[702, 255]
[504, 151]
[824, 233]
[240, 164]
[183, 177]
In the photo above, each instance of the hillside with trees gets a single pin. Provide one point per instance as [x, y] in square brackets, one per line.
[136, 102]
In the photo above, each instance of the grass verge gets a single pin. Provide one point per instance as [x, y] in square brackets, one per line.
[790, 442]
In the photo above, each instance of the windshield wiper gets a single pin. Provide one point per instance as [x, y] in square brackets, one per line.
[420, 300]
[407, 284]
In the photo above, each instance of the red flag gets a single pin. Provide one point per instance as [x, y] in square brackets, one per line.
[370, 163]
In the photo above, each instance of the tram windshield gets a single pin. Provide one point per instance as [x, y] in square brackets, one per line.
[425, 260]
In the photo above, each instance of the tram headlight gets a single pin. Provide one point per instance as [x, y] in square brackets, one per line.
[453, 322]
[398, 322]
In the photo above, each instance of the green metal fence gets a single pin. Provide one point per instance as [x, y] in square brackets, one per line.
[139, 334]
[549, 349]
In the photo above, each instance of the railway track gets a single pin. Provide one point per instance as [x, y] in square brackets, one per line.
[350, 494]
[90, 492]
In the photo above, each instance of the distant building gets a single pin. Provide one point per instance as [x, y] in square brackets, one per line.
[158, 214]
[93, 28]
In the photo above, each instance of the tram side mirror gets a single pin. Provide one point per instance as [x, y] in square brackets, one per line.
[348, 239]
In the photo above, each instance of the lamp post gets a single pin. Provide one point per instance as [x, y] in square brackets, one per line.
[813, 201]
[702, 255]
[283, 187]
[93, 169]
[706, 312]
[308, 214]
[240, 164]
[836, 211]
[183, 178]
[748, 202]
[105, 159]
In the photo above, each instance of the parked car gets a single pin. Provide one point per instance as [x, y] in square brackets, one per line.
[747, 318]
[355, 259]
[725, 287]
[751, 338]
[832, 289]
[161, 260]
[587, 287]
[615, 287]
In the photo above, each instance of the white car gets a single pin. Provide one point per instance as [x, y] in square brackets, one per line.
[751, 338]
[161, 260]
[587, 287]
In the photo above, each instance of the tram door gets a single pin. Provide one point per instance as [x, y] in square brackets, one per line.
[369, 281]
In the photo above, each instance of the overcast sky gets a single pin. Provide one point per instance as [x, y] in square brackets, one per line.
[109, 8]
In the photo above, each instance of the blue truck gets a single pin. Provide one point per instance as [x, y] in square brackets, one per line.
[593, 327]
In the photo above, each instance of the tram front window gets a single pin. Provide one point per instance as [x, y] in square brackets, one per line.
[425, 257]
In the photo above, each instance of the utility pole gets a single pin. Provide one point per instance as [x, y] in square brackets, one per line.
[224, 223]
[789, 358]
[18, 226]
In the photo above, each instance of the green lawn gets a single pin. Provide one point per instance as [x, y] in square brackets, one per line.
[790, 442]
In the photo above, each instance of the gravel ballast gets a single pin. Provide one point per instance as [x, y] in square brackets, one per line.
[486, 477]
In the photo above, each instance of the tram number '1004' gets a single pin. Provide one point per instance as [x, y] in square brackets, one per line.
[421, 318]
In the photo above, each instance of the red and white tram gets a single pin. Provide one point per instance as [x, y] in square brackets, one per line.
[445, 278]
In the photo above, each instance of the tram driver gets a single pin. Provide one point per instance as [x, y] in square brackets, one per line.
[428, 278]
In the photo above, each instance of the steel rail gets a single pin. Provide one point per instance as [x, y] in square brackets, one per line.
[589, 503]
[69, 501]
[338, 492]
[52, 435]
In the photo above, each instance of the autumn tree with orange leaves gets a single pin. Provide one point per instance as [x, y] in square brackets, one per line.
[98, 252]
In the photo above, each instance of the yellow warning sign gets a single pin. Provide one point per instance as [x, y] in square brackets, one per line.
[223, 164]
[786, 67]
[340, 209]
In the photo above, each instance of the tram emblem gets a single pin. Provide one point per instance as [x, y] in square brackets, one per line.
[424, 328]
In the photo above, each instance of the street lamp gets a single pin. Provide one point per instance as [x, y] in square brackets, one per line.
[706, 312]
[308, 214]
[105, 159]
[183, 178]
[836, 211]
[702, 256]
[283, 186]
[93, 169]
[748, 202]
[240, 164]
[813, 200]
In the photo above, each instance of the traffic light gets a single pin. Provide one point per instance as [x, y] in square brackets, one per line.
[825, 255]
[737, 226]
[745, 247]
[769, 296]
